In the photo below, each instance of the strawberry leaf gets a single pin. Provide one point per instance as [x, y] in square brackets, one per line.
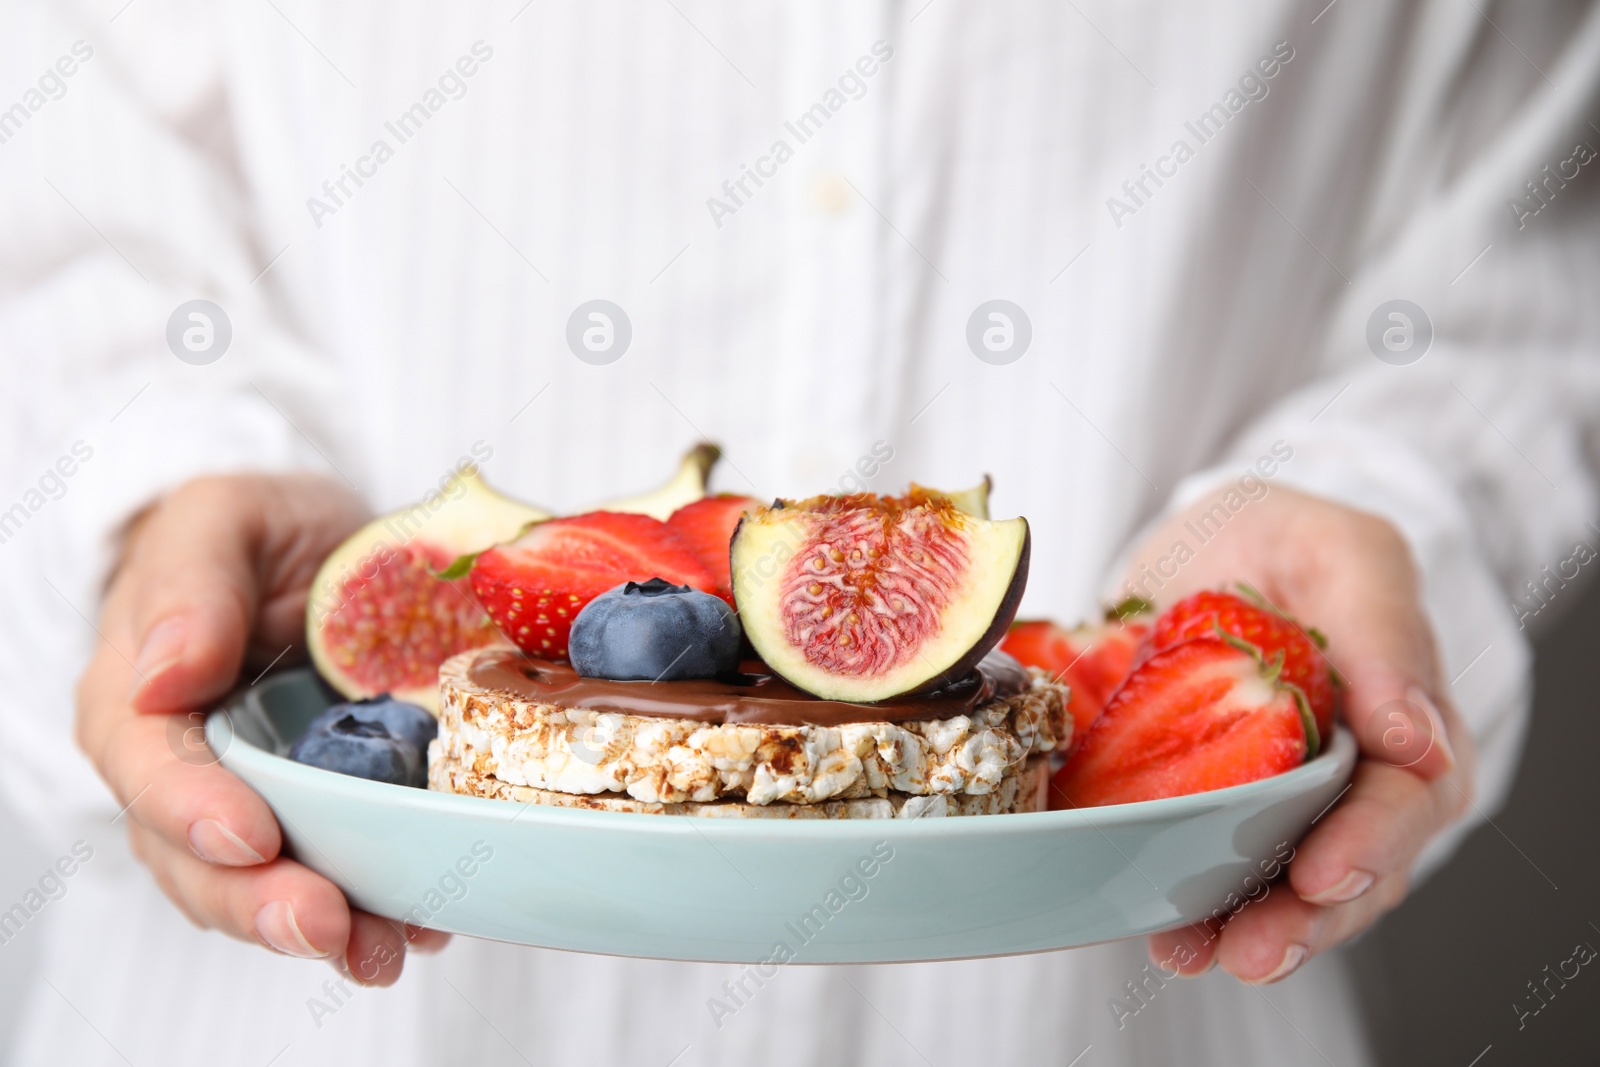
[1252, 594]
[1126, 609]
[1307, 720]
[459, 567]
[1243, 645]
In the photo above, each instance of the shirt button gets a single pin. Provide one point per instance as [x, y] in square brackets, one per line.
[831, 194]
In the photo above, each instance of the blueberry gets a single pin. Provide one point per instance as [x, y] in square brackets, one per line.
[407, 721]
[654, 631]
[381, 739]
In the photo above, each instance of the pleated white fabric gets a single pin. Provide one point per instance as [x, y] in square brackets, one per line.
[481, 1002]
[1190, 309]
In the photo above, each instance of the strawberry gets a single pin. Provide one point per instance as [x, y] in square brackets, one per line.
[1092, 659]
[707, 527]
[1250, 617]
[534, 586]
[1204, 714]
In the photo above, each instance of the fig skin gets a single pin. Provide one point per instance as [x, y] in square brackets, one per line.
[687, 484]
[1004, 616]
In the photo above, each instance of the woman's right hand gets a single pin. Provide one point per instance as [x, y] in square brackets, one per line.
[212, 581]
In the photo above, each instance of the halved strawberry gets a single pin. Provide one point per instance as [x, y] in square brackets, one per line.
[533, 587]
[1093, 660]
[707, 527]
[1202, 715]
[1250, 617]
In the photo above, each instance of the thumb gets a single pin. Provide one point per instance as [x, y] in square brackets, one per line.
[190, 586]
[1396, 719]
[1381, 644]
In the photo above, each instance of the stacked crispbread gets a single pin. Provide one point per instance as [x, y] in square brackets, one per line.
[502, 745]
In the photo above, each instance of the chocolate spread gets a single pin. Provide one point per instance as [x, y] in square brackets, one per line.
[754, 695]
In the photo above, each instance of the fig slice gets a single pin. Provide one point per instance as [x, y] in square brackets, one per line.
[865, 597]
[687, 485]
[379, 620]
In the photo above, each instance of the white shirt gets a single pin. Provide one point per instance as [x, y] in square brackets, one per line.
[535, 157]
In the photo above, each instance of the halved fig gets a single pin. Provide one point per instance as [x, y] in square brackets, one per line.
[864, 597]
[378, 620]
[687, 485]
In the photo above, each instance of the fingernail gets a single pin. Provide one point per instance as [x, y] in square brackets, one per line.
[215, 843]
[417, 942]
[1210, 963]
[163, 646]
[1172, 968]
[1441, 740]
[275, 923]
[1346, 889]
[1293, 957]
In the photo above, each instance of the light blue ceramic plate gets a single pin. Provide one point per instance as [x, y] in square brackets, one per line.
[733, 890]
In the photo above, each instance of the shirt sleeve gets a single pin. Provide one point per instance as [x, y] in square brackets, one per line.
[120, 202]
[1472, 420]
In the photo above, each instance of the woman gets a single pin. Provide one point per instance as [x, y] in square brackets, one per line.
[1353, 239]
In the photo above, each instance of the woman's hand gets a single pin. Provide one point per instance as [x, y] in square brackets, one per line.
[212, 581]
[1350, 575]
